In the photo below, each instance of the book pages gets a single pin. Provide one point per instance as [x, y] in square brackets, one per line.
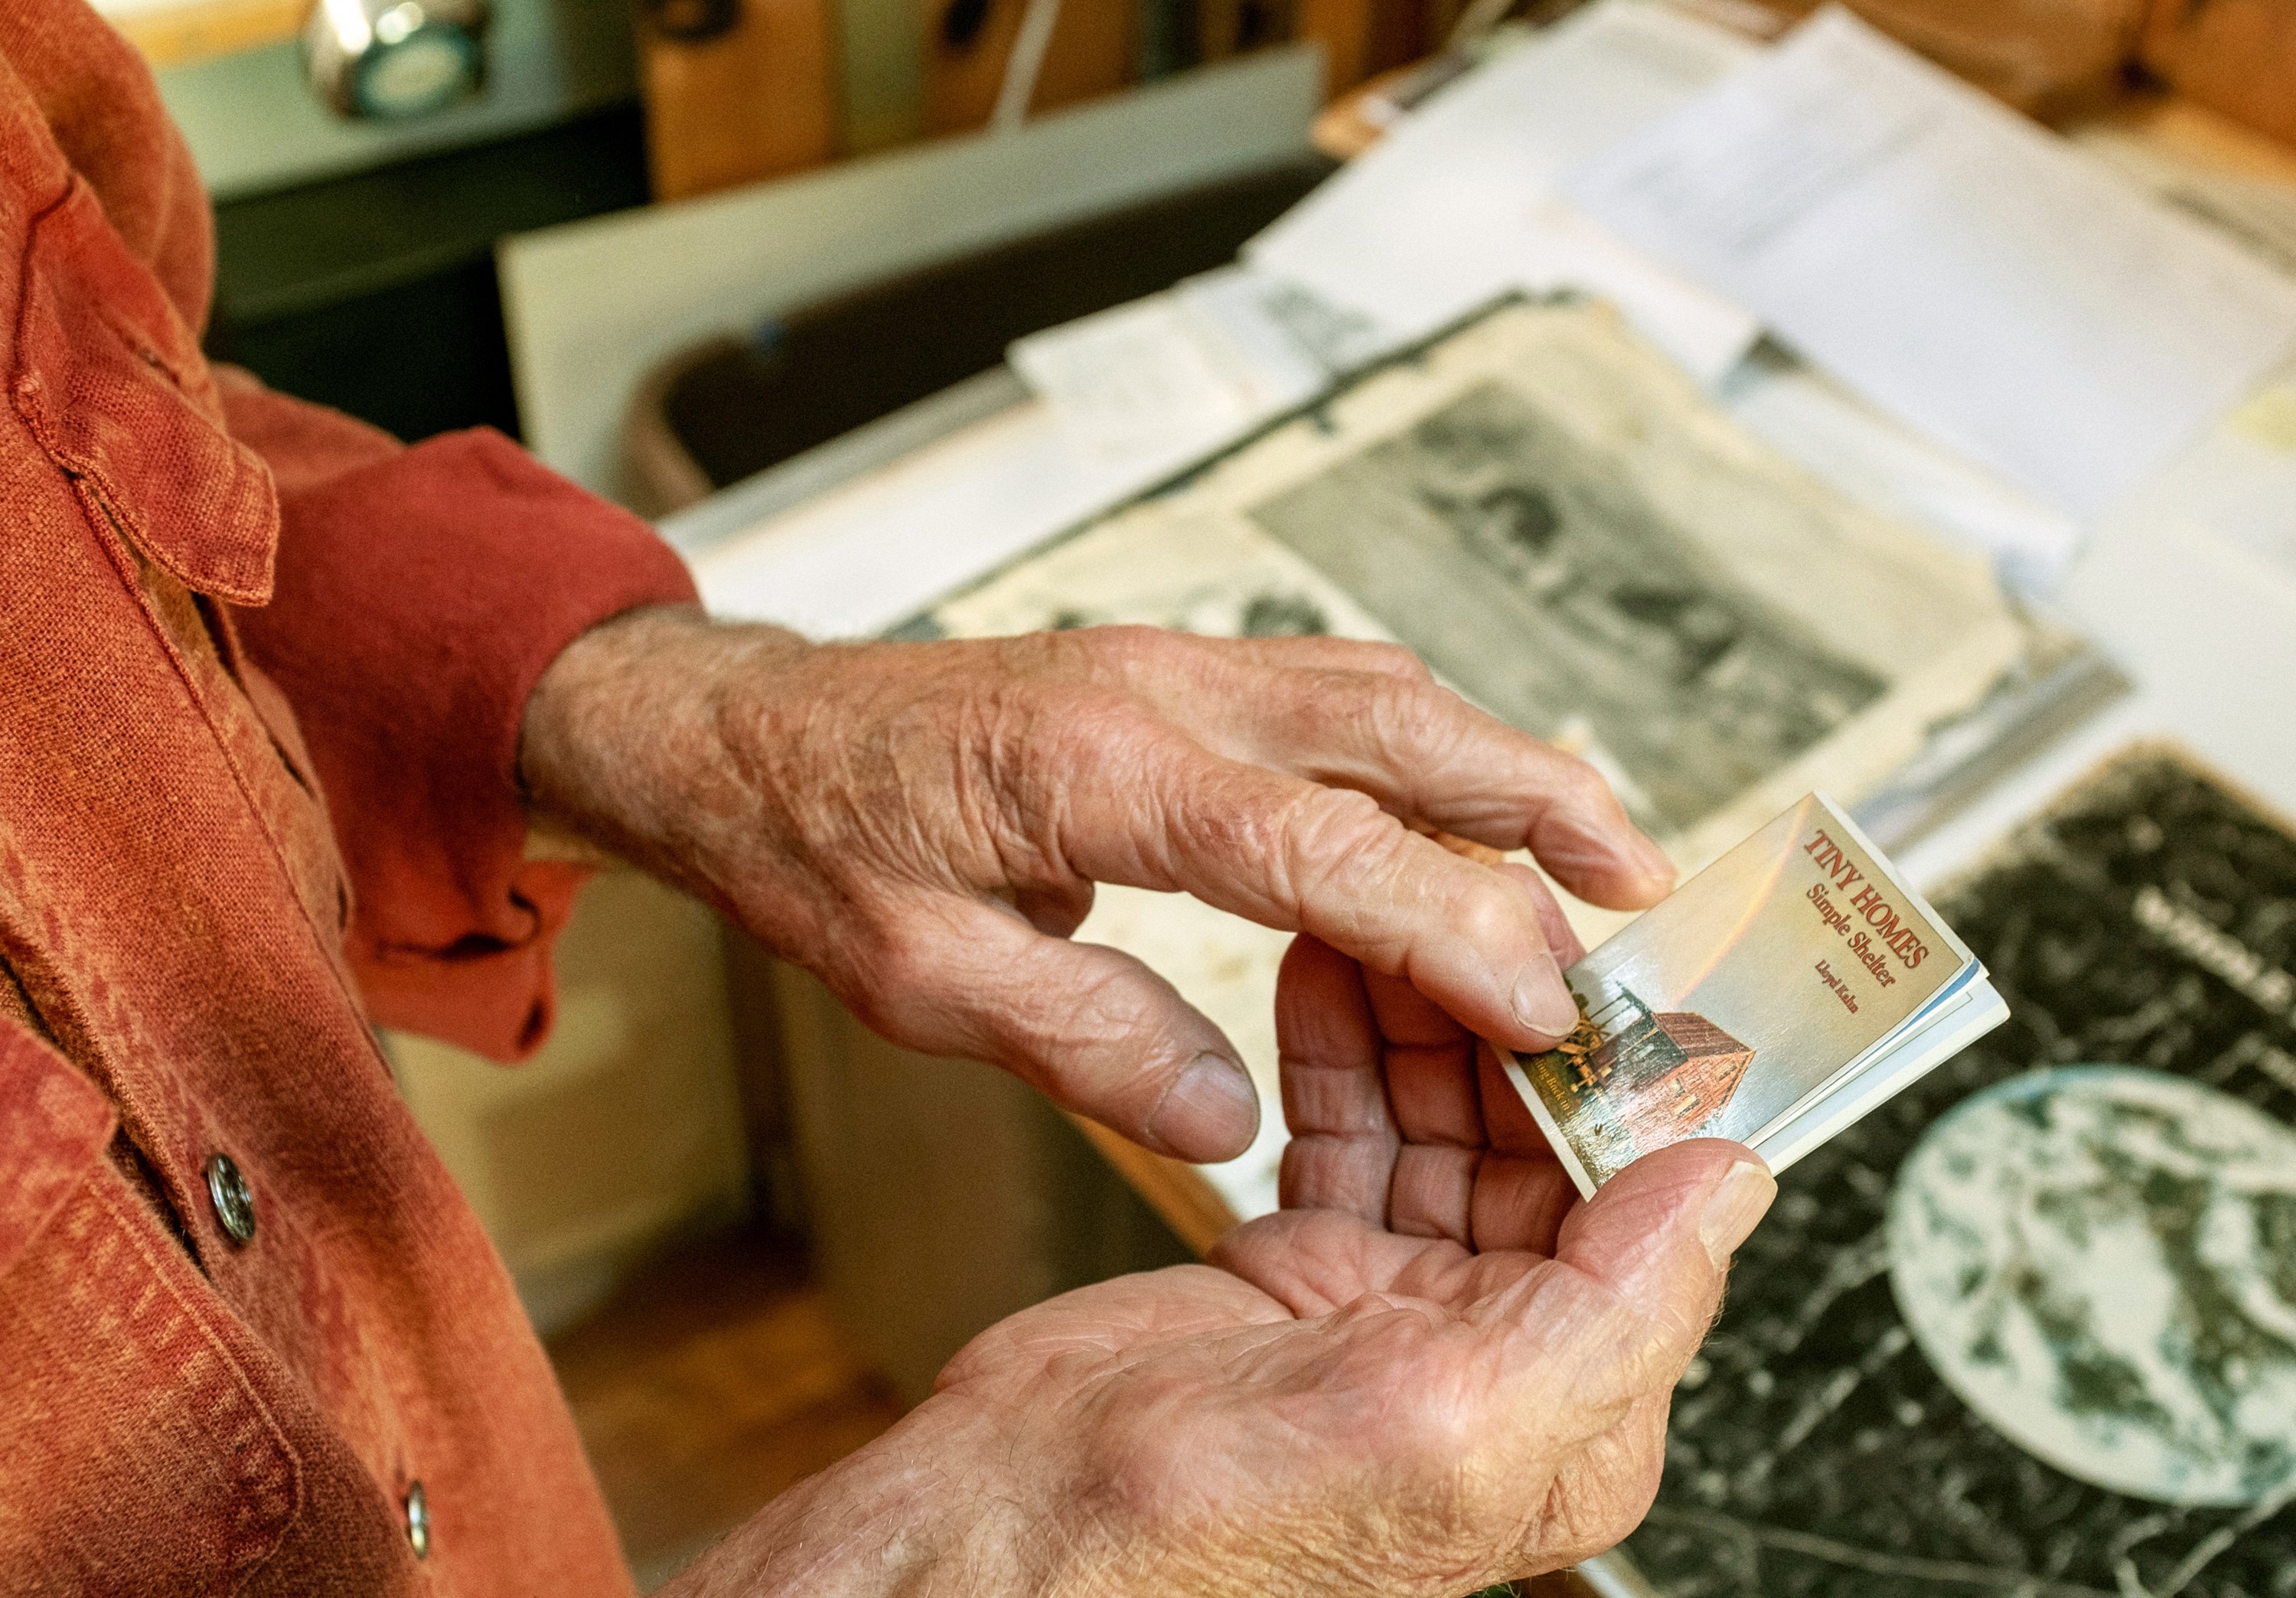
[1790, 965]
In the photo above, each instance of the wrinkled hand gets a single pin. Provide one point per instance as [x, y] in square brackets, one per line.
[1340, 1411]
[1399, 1115]
[1432, 1370]
[922, 824]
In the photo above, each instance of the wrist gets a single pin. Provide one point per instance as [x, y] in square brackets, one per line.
[938, 1505]
[620, 723]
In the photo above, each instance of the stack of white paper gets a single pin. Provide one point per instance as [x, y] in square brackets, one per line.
[1456, 205]
[1887, 467]
[1962, 269]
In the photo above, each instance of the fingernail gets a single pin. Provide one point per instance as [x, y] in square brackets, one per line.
[1542, 1000]
[1212, 1108]
[1740, 1200]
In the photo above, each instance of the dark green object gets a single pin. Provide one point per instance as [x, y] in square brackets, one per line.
[375, 293]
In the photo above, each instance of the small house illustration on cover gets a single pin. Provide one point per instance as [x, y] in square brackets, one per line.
[1662, 1074]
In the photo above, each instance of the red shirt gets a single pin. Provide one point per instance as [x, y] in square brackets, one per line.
[261, 672]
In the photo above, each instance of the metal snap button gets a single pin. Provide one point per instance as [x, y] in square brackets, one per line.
[233, 1201]
[418, 1520]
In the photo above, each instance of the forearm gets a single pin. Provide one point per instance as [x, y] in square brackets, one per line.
[927, 1509]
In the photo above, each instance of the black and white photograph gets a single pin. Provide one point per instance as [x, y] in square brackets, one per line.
[1531, 571]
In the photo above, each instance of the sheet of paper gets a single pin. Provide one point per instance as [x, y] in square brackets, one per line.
[1887, 467]
[1456, 206]
[1254, 325]
[2254, 210]
[1132, 380]
[1186, 370]
[2238, 482]
[870, 554]
[1964, 269]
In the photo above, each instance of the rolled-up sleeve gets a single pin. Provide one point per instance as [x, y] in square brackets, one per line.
[419, 592]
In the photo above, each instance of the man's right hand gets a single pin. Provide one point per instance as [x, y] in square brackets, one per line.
[922, 824]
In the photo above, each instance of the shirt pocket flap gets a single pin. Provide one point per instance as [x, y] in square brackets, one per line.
[55, 1124]
[113, 386]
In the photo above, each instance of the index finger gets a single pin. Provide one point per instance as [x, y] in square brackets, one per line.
[1350, 716]
[1296, 855]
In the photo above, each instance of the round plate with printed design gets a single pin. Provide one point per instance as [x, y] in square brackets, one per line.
[2100, 1261]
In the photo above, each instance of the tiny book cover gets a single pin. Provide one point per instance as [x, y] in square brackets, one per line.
[1786, 989]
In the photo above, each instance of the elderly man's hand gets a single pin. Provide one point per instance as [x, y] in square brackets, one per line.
[921, 825]
[1342, 1410]
[1433, 1369]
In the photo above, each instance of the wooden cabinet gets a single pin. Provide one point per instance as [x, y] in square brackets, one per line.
[1093, 51]
[736, 90]
[2235, 56]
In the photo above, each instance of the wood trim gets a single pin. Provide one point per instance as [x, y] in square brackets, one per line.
[1091, 54]
[1363, 38]
[756, 101]
[1175, 1190]
[2235, 56]
[174, 36]
[2187, 127]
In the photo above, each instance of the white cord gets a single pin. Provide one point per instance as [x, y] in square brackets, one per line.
[1477, 18]
[1022, 65]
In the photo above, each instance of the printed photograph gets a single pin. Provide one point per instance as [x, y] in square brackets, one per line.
[1634, 1078]
[1573, 537]
[1536, 573]
[1192, 574]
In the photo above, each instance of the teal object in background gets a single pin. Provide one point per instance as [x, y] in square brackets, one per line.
[256, 124]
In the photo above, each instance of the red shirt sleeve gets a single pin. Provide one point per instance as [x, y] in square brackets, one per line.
[418, 594]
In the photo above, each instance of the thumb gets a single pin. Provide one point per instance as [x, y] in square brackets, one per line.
[1090, 1027]
[1660, 1235]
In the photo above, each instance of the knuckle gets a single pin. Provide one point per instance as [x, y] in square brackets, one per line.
[1125, 647]
[1390, 707]
[1391, 659]
[1335, 837]
[1486, 912]
[1106, 1006]
[1402, 715]
[1577, 781]
[1338, 820]
[1054, 741]
[894, 960]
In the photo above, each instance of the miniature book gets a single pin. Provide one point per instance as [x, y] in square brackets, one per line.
[1787, 989]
